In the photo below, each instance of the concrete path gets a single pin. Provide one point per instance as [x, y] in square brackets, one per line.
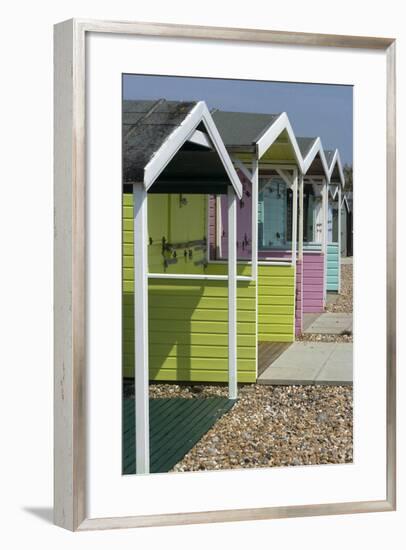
[330, 323]
[346, 260]
[311, 363]
[308, 319]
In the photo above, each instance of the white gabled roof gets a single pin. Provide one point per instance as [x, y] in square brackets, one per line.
[183, 132]
[347, 204]
[315, 149]
[273, 132]
[335, 167]
[154, 137]
[244, 132]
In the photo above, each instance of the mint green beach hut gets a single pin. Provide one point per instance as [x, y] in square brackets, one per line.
[336, 183]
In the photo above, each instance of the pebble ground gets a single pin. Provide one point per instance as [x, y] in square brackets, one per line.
[271, 426]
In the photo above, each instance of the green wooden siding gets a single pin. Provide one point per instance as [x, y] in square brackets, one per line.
[333, 266]
[188, 319]
[276, 303]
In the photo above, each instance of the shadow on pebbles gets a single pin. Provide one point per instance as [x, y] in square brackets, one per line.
[271, 426]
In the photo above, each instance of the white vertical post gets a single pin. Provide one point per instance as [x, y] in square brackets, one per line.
[339, 238]
[141, 371]
[294, 217]
[301, 217]
[324, 241]
[254, 220]
[232, 293]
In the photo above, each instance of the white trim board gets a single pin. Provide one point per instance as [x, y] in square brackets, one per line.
[184, 132]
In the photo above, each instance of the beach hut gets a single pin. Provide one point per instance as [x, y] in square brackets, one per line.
[173, 149]
[336, 182]
[345, 223]
[312, 224]
[265, 153]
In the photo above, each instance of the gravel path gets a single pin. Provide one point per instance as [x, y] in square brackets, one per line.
[344, 301]
[270, 426]
[324, 337]
[278, 426]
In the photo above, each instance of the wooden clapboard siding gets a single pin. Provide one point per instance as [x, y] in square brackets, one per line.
[299, 284]
[188, 223]
[276, 303]
[188, 319]
[333, 267]
[312, 246]
[313, 281]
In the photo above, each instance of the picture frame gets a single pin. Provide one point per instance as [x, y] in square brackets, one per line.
[71, 430]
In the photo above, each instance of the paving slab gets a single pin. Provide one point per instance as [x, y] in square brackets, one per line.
[330, 323]
[311, 363]
[346, 260]
[309, 318]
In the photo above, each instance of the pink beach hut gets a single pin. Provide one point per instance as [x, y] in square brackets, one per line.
[267, 157]
[313, 224]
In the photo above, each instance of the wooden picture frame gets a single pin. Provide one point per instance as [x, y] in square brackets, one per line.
[70, 264]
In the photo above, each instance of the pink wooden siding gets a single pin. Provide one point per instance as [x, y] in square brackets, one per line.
[313, 276]
[309, 283]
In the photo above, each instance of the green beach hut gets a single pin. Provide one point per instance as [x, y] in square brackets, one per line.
[173, 149]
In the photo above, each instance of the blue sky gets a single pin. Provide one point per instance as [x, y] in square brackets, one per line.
[323, 110]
